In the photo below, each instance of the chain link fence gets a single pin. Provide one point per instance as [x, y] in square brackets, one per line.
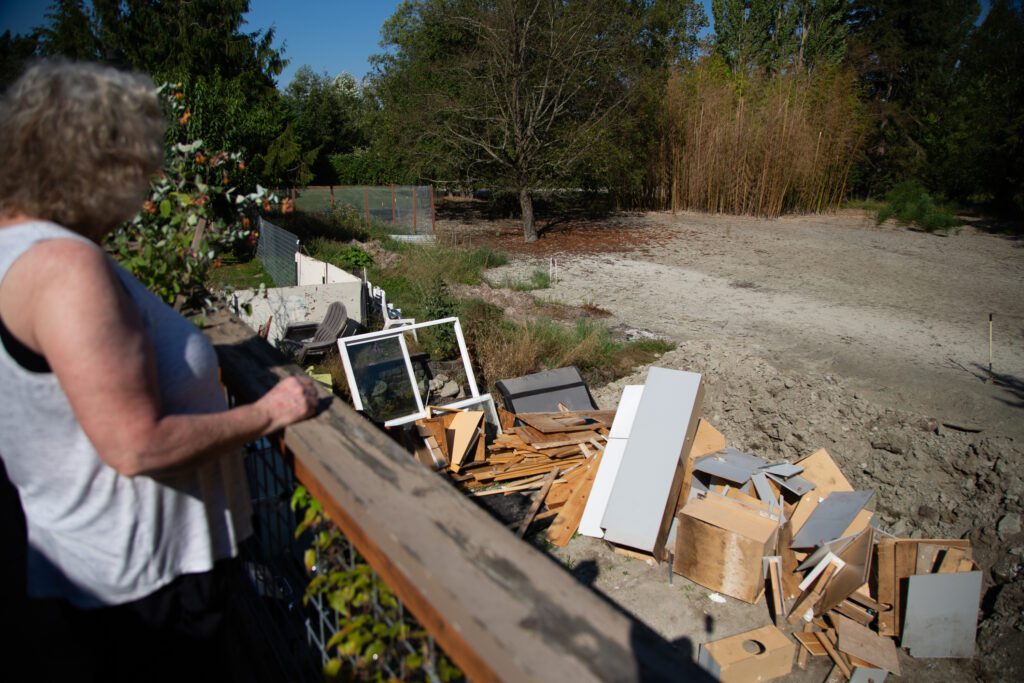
[409, 209]
[294, 631]
[276, 250]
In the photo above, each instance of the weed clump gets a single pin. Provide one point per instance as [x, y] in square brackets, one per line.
[910, 204]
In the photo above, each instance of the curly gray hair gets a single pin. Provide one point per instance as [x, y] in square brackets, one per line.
[79, 144]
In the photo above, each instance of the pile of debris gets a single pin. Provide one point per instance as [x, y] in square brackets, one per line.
[654, 479]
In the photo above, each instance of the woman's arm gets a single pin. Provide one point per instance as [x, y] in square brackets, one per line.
[61, 299]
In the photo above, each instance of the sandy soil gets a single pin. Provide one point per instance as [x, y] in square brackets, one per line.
[903, 315]
[821, 332]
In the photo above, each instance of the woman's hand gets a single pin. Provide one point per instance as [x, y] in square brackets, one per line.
[292, 399]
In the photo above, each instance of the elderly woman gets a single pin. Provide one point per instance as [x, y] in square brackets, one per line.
[113, 426]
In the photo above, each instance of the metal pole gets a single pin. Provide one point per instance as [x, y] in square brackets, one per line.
[431, 208]
[414, 209]
[366, 203]
[392, 203]
[990, 346]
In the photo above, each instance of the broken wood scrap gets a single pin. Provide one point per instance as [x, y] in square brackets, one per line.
[567, 421]
[537, 500]
[568, 520]
[837, 657]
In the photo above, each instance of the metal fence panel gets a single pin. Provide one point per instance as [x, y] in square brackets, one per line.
[408, 208]
[276, 250]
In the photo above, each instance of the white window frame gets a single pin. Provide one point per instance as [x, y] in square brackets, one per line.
[475, 398]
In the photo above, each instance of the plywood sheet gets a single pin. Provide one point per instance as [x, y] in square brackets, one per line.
[646, 489]
[720, 546]
[821, 469]
[863, 643]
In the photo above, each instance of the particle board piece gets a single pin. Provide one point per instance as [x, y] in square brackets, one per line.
[861, 642]
[862, 674]
[831, 518]
[707, 440]
[643, 500]
[759, 655]
[942, 614]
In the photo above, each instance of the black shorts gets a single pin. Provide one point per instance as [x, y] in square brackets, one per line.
[178, 633]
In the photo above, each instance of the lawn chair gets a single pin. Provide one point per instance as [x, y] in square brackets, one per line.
[387, 311]
[298, 342]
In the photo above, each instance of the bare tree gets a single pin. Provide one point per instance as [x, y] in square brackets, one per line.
[516, 90]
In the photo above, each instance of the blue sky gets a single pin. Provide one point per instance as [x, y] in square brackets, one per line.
[336, 35]
[331, 35]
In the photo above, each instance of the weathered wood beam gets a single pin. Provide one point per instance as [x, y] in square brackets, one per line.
[498, 607]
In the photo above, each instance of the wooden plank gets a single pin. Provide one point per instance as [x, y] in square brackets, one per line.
[830, 648]
[810, 642]
[568, 520]
[951, 561]
[852, 611]
[400, 517]
[537, 500]
[885, 560]
[811, 595]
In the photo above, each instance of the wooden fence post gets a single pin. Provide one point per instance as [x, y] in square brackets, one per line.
[366, 203]
[392, 203]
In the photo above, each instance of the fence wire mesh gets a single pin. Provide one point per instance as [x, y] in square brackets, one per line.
[409, 209]
[276, 250]
[295, 633]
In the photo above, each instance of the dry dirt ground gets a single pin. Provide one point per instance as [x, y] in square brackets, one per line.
[824, 331]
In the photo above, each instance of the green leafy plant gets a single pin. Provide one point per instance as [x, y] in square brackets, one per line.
[910, 204]
[201, 204]
[373, 626]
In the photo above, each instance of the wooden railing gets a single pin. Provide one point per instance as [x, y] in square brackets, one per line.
[500, 609]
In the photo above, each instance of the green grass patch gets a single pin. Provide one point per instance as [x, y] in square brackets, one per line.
[872, 205]
[239, 275]
[539, 279]
[910, 204]
[350, 257]
[503, 348]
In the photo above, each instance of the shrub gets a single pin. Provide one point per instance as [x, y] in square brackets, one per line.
[196, 209]
[910, 204]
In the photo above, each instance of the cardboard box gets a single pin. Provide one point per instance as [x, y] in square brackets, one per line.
[720, 543]
[759, 655]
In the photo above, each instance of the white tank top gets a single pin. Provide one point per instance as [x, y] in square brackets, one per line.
[97, 537]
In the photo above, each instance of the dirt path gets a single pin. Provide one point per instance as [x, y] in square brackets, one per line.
[822, 332]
